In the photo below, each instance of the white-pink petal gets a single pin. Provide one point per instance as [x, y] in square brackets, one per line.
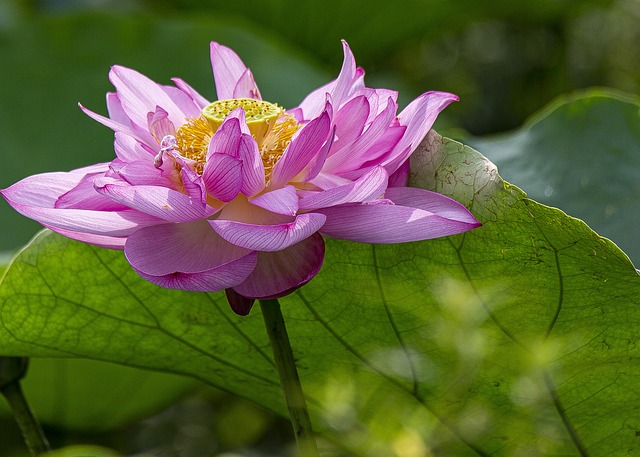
[268, 237]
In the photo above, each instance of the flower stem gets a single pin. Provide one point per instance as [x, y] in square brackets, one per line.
[289, 379]
[12, 369]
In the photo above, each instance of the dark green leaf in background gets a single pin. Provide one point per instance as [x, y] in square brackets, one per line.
[518, 338]
[581, 154]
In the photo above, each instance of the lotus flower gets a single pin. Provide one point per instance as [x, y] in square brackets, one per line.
[237, 194]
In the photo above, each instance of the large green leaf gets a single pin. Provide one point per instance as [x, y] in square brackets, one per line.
[518, 338]
[581, 154]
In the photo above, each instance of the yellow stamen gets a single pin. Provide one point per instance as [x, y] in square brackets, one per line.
[270, 126]
[192, 140]
[260, 115]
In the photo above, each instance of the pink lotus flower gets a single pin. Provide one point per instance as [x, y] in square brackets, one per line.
[236, 194]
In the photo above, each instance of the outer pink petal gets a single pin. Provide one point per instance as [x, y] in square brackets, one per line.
[109, 242]
[370, 186]
[84, 196]
[430, 201]
[305, 145]
[187, 105]
[347, 78]
[228, 70]
[180, 248]
[281, 201]
[280, 273]
[268, 237]
[419, 117]
[389, 223]
[161, 202]
[128, 149]
[223, 176]
[119, 127]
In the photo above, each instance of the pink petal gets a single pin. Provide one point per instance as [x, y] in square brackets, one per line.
[119, 127]
[223, 176]
[180, 248]
[317, 163]
[227, 138]
[390, 223]
[305, 145]
[370, 186]
[128, 149]
[198, 99]
[187, 106]
[419, 117]
[246, 87]
[268, 237]
[279, 273]
[159, 124]
[430, 201]
[400, 177]
[84, 196]
[281, 201]
[347, 158]
[253, 177]
[228, 70]
[108, 242]
[161, 202]
[350, 119]
[140, 95]
[347, 77]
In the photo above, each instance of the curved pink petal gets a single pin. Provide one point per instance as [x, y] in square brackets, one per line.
[223, 176]
[268, 237]
[369, 186]
[180, 248]
[317, 163]
[281, 201]
[140, 95]
[304, 146]
[118, 126]
[382, 223]
[279, 273]
[161, 202]
[228, 70]
[253, 177]
[185, 103]
[430, 201]
[227, 138]
[348, 158]
[84, 196]
[198, 99]
[350, 119]
[400, 178]
[246, 87]
[103, 241]
[419, 117]
[128, 149]
[347, 78]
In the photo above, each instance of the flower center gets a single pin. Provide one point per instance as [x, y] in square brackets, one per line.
[270, 126]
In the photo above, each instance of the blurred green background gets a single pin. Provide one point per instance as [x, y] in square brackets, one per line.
[505, 59]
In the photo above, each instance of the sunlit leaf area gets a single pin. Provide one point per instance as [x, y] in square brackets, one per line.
[518, 338]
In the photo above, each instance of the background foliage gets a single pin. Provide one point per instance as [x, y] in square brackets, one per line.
[506, 60]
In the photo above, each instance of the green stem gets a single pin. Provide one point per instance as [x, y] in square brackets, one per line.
[289, 379]
[12, 369]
